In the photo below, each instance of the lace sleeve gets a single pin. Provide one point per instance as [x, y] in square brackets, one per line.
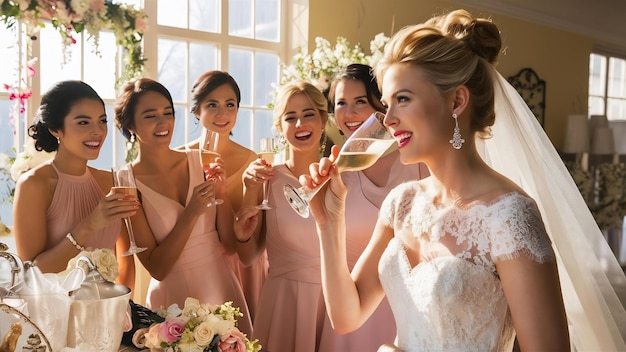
[520, 231]
[397, 203]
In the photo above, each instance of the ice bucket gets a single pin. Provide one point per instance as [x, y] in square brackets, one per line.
[97, 315]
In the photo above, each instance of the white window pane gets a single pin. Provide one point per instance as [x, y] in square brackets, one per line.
[240, 67]
[267, 20]
[243, 128]
[53, 69]
[99, 69]
[10, 56]
[596, 105]
[266, 77]
[597, 74]
[204, 15]
[240, 18]
[617, 78]
[105, 158]
[263, 126]
[178, 137]
[172, 56]
[202, 58]
[616, 109]
[172, 13]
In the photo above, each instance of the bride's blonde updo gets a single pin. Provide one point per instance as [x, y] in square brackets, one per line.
[453, 49]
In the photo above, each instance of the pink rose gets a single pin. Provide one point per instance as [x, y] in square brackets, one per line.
[171, 330]
[233, 341]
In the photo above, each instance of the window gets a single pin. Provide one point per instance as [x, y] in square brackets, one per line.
[607, 86]
[245, 41]
[185, 38]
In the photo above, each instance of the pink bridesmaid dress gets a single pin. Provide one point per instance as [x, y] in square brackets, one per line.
[290, 313]
[75, 197]
[203, 270]
[253, 276]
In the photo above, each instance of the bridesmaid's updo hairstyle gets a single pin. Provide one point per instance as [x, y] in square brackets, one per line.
[361, 73]
[453, 50]
[54, 107]
[127, 100]
[208, 82]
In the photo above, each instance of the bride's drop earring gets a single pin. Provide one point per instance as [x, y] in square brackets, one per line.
[456, 141]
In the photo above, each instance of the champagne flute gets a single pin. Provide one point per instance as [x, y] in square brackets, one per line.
[267, 152]
[124, 182]
[208, 154]
[360, 151]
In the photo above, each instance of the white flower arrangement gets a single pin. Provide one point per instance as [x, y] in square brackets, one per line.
[321, 66]
[70, 17]
[197, 327]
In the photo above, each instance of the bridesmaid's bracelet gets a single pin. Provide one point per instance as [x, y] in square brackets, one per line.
[73, 241]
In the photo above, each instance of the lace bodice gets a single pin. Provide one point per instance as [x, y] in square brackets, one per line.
[453, 300]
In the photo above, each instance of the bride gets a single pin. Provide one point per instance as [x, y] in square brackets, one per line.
[498, 242]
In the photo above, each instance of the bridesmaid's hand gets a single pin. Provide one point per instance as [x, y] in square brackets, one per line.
[328, 205]
[202, 195]
[217, 172]
[245, 223]
[256, 173]
[112, 207]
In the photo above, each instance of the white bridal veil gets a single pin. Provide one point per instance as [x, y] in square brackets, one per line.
[589, 272]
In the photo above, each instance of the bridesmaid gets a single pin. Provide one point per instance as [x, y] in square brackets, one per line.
[354, 96]
[290, 314]
[63, 207]
[187, 241]
[215, 103]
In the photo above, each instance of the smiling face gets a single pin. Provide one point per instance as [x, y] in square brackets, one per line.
[351, 105]
[301, 123]
[218, 111]
[418, 115]
[84, 129]
[153, 120]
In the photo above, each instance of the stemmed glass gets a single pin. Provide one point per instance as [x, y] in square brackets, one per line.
[360, 151]
[208, 153]
[124, 182]
[267, 152]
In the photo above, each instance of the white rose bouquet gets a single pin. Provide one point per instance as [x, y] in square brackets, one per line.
[198, 328]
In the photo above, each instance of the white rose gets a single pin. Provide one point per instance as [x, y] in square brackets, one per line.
[219, 325]
[203, 334]
[106, 263]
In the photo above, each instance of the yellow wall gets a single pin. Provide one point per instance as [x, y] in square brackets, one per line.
[560, 58]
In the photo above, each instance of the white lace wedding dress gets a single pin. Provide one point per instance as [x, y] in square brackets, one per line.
[454, 301]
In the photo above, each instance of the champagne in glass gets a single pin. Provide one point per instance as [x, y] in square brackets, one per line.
[208, 153]
[267, 152]
[124, 182]
[368, 143]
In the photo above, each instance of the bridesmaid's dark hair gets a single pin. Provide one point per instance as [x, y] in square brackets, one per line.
[208, 82]
[362, 73]
[128, 97]
[54, 107]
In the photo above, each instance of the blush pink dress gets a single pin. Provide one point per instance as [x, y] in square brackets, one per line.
[75, 197]
[291, 311]
[362, 207]
[203, 270]
[253, 276]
